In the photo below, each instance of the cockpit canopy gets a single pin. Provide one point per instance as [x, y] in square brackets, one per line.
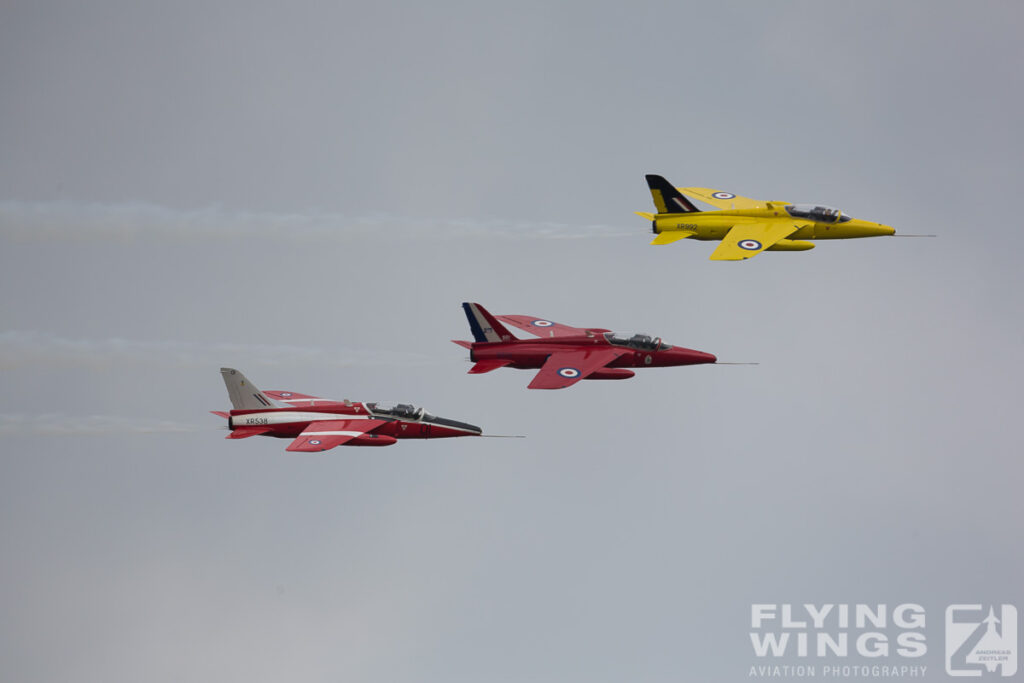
[640, 342]
[401, 411]
[821, 214]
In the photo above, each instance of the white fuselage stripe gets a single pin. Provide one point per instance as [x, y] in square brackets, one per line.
[282, 417]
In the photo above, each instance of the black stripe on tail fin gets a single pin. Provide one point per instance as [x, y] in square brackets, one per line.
[667, 199]
[485, 327]
[244, 394]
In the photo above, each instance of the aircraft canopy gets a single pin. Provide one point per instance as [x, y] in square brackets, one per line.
[821, 214]
[401, 411]
[641, 342]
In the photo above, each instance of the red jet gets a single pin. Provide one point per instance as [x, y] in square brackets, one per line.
[565, 355]
[318, 424]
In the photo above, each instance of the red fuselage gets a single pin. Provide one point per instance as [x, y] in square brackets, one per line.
[288, 423]
[526, 354]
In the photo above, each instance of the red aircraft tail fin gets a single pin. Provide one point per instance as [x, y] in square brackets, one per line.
[485, 327]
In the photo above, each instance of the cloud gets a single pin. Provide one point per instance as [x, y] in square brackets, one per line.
[56, 424]
[65, 221]
[20, 348]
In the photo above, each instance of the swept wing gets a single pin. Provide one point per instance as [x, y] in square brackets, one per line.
[722, 200]
[541, 327]
[563, 369]
[292, 398]
[750, 239]
[326, 434]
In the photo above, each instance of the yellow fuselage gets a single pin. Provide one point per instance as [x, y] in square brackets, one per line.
[713, 225]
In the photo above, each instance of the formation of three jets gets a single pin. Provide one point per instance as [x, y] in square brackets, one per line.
[563, 355]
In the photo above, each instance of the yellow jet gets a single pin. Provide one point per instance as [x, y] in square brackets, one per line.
[746, 227]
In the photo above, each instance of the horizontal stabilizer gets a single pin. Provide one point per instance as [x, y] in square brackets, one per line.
[672, 236]
[488, 365]
[221, 413]
[246, 432]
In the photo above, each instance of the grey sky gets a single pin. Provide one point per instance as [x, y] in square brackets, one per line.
[307, 191]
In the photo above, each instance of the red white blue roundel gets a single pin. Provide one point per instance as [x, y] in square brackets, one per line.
[569, 373]
[542, 323]
[750, 245]
[314, 442]
[723, 195]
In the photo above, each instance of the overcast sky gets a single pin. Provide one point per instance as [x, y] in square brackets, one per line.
[307, 191]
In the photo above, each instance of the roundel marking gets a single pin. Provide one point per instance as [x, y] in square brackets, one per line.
[750, 245]
[647, 359]
[314, 442]
[723, 195]
[542, 323]
[569, 373]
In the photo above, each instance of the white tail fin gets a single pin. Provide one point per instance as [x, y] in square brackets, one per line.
[244, 394]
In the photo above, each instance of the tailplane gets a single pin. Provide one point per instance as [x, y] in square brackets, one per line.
[244, 394]
[668, 199]
[485, 327]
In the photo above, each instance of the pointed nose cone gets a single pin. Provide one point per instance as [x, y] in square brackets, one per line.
[707, 357]
[887, 229]
[693, 357]
[445, 427]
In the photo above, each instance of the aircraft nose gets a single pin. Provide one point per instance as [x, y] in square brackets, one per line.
[887, 229]
[691, 357]
[457, 426]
